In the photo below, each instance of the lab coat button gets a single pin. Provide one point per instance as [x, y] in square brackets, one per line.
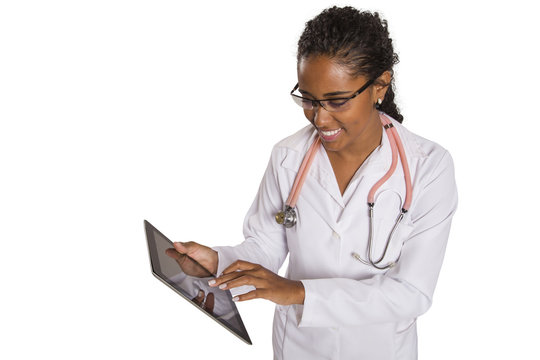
[335, 235]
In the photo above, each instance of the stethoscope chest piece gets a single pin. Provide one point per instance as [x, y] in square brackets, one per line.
[286, 217]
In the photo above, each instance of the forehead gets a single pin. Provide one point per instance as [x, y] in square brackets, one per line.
[320, 74]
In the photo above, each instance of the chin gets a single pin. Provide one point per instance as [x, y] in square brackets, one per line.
[332, 146]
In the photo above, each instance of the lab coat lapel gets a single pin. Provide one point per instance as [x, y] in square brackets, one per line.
[324, 175]
[321, 179]
[320, 190]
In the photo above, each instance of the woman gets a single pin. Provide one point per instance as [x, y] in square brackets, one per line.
[344, 297]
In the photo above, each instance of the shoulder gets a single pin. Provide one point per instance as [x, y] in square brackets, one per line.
[416, 146]
[290, 150]
[299, 141]
[433, 169]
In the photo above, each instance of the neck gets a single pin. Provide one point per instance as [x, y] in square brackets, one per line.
[364, 145]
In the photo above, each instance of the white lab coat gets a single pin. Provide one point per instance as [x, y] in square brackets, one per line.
[351, 310]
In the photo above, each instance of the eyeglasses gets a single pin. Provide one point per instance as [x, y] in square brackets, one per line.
[332, 105]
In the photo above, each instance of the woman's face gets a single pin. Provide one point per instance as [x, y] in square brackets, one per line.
[346, 131]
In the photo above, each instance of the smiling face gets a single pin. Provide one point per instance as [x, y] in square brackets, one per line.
[351, 132]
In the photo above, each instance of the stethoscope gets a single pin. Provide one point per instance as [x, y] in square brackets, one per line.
[287, 217]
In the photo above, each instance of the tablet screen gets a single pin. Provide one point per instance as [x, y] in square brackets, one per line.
[214, 302]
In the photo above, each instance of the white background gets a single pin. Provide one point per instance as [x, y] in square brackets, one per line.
[117, 111]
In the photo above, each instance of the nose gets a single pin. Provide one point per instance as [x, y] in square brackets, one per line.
[321, 116]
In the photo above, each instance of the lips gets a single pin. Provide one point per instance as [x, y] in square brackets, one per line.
[330, 135]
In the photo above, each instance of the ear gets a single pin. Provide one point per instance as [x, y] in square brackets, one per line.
[381, 85]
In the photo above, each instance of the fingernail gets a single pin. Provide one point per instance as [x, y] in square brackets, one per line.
[211, 282]
[201, 293]
[222, 286]
[235, 298]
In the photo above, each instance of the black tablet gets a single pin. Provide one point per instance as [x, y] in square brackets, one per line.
[194, 288]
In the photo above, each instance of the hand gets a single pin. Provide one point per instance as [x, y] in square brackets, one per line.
[194, 259]
[268, 285]
[207, 304]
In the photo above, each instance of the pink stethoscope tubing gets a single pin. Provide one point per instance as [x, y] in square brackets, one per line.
[287, 217]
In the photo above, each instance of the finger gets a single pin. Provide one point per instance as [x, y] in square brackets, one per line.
[209, 303]
[224, 278]
[240, 265]
[199, 298]
[243, 280]
[255, 294]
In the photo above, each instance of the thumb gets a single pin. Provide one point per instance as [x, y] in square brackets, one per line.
[182, 248]
[173, 253]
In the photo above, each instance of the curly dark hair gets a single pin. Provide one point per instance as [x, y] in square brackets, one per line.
[357, 40]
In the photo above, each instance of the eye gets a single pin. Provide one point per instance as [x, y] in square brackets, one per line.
[335, 104]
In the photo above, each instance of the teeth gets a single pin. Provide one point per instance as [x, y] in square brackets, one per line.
[330, 133]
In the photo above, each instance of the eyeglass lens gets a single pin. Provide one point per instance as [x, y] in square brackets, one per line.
[329, 105]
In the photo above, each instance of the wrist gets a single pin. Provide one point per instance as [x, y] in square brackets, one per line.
[300, 293]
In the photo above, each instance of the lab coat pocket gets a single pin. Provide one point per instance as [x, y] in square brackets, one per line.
[405, 340]
[280, 322]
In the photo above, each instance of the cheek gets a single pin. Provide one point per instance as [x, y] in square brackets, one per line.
[362, 111]
[355, 121]
[351, 118]
[365, 104]
[310, 115]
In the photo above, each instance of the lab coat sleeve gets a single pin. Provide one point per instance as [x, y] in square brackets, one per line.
[403, 292]
[265, 240]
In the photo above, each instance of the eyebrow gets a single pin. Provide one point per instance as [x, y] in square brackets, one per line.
[327, 94]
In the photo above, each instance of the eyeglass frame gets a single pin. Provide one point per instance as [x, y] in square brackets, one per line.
[319, 102]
